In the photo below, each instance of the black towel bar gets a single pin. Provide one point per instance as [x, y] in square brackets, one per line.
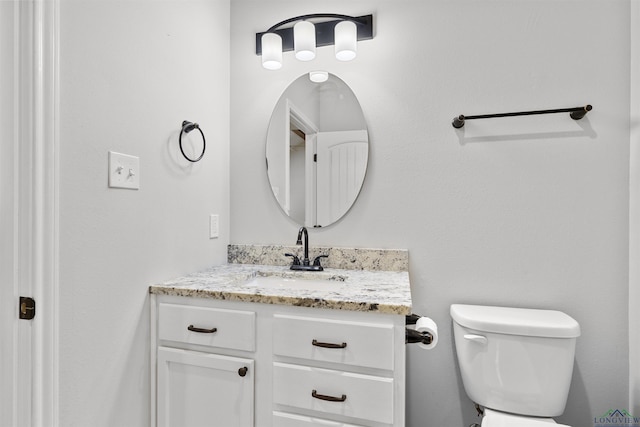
[576, 113]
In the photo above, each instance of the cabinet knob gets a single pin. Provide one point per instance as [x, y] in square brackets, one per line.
[243, 371]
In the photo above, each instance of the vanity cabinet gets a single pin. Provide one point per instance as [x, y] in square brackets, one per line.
[305, 366]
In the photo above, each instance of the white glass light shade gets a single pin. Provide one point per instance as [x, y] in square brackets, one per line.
[318, 76]
[271, 51]
[304, 40]
[346, 39]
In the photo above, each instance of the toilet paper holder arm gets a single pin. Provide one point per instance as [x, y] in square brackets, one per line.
[413, 336]
[412, 319]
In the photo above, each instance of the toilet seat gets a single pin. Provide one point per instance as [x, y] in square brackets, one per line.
[493, 418]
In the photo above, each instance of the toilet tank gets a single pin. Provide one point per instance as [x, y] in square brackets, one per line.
[515, 359]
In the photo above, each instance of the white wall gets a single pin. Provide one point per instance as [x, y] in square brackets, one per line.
[523, 211]
[130, 73]
[634, 217]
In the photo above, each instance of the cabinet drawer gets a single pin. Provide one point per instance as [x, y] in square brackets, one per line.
[360, 396]
[211, 327]
[282, 419]
[350, 343]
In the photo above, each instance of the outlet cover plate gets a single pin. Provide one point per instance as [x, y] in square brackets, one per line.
[124, 171]
[214, 226]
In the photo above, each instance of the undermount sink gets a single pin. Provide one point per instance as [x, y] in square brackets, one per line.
[311, 281]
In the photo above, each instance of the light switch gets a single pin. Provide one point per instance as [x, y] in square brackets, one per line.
[124, 171]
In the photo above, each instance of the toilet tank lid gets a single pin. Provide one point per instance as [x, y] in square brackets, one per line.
[516, 321]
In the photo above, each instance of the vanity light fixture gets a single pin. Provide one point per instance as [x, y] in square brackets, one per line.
[343, 31]
[318, 76]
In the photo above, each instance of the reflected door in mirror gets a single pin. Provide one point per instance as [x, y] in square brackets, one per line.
[341, 166]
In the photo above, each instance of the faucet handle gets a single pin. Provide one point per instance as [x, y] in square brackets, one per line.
[296, 260]
[316, 260]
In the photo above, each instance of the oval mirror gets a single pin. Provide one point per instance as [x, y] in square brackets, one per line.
[317, 150]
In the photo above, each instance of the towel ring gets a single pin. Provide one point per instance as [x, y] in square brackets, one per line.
[187, 127]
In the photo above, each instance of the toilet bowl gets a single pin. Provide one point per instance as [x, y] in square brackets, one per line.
[517, 363]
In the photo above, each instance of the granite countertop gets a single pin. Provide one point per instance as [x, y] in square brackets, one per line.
[341, 289]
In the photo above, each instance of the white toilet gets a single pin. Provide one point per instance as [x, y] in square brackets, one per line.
[516, 363]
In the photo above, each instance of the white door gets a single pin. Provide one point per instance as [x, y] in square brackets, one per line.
[198, 389]
[8, 311]
[341, 166]
[28, 211]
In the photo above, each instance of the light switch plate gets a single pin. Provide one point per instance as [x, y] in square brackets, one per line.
[124, 171]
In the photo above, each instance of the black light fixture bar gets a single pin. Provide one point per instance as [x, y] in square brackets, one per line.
[576, 113]
[324, 30]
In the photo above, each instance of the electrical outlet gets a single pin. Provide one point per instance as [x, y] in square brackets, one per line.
[124, 171]
[214, 226]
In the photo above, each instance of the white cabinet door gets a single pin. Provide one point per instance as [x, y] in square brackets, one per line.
[199, 389]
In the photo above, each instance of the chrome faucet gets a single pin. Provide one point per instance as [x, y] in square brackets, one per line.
[305, 264]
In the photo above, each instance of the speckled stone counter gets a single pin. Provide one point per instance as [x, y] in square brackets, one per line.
[341, 289]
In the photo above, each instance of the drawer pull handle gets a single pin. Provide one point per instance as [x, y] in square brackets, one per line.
[328, 345]
[243, 371]
[328, 398]
[201, 330]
